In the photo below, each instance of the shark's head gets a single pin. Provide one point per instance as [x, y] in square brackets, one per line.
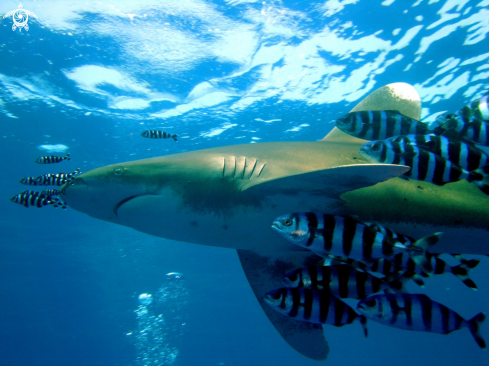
[100, 192]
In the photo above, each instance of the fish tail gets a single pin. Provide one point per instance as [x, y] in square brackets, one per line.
[174, 137]
[67, 157]
[417, 251]
[480, 177]
[395, 283]
[462, 272]
[363, 322]
[474, 327]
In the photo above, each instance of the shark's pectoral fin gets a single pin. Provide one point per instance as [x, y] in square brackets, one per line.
[264, 273]
[329, 182]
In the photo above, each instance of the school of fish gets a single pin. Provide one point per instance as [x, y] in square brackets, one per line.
[363, 259]
[47, 197]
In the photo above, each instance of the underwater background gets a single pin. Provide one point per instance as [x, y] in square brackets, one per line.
[89, 76]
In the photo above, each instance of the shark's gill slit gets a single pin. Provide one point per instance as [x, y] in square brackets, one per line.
[235, 163]
[253, 170]
[263, 167]
[223, 167]
[244, 169]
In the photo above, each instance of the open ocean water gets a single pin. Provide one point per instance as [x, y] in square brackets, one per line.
[92, 75]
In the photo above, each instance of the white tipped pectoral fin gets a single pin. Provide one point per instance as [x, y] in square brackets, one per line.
[330, 182]
[264, 274]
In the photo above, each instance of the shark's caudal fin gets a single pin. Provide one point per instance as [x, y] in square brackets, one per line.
[264, 274]
[401, 97]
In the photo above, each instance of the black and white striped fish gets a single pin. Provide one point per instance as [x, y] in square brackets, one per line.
[478, 109]
[419, 313]
[313, 306]
[379, 125]
[473, 129]
[345, 236]
[50, 192]
[459, 151]
[155, 134]
[339, 281]
[425, 165]
[57, 179]
[52, 159]
[32, 198]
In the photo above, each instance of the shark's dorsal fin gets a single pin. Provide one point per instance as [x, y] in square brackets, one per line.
[264, 273]
[400, 97]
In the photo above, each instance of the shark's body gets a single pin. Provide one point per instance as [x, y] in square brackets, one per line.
[229, 196]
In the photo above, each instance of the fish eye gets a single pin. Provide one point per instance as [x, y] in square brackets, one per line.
[118, 170]
[287, 222]
[376, 146]
[370, 303]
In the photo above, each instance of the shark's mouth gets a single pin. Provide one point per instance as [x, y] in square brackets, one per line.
[125, 200]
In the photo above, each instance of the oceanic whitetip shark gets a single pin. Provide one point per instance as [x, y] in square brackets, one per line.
[228, 197]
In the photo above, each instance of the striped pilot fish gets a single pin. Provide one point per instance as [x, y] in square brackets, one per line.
[339, 281]
[313, 306]
[403, 263]
[379, 125]
[425, 165]
[419, 313]
[478, 109]
[473, 129]
[57, 179]
[155, 134]
[33, 198]
[52, 159]
[346, 236]
[457, 150]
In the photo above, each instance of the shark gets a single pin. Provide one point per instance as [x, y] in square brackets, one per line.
[228, 197]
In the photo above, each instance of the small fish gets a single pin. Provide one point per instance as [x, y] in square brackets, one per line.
[52, 159]
[57, 179]
[32, 198]
[313, 306]
[339, 281]
[473, 129]
[379, 125]
[154, 134]
[458, 150]
[346, 236]
[425, 165]
[50, 192]
[478, 109]
[419, 313]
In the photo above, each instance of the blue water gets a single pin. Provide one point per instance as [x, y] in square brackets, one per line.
[91, 75]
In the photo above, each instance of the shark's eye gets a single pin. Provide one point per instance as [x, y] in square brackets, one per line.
[118, 170]
[370, 303]
[287, 222]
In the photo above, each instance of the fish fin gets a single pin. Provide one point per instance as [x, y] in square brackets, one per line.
[462, 273]
[395, 283]
[453, 136]
[363, 322]
[264, 272]
[324, 182]
[474, 327]
[475, 178]
[401, 97]
[174, 137]
[417, 251]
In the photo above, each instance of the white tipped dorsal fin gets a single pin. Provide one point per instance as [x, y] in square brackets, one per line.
[401, 97]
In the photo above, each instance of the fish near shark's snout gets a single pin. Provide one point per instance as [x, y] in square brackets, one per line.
[100, 192]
